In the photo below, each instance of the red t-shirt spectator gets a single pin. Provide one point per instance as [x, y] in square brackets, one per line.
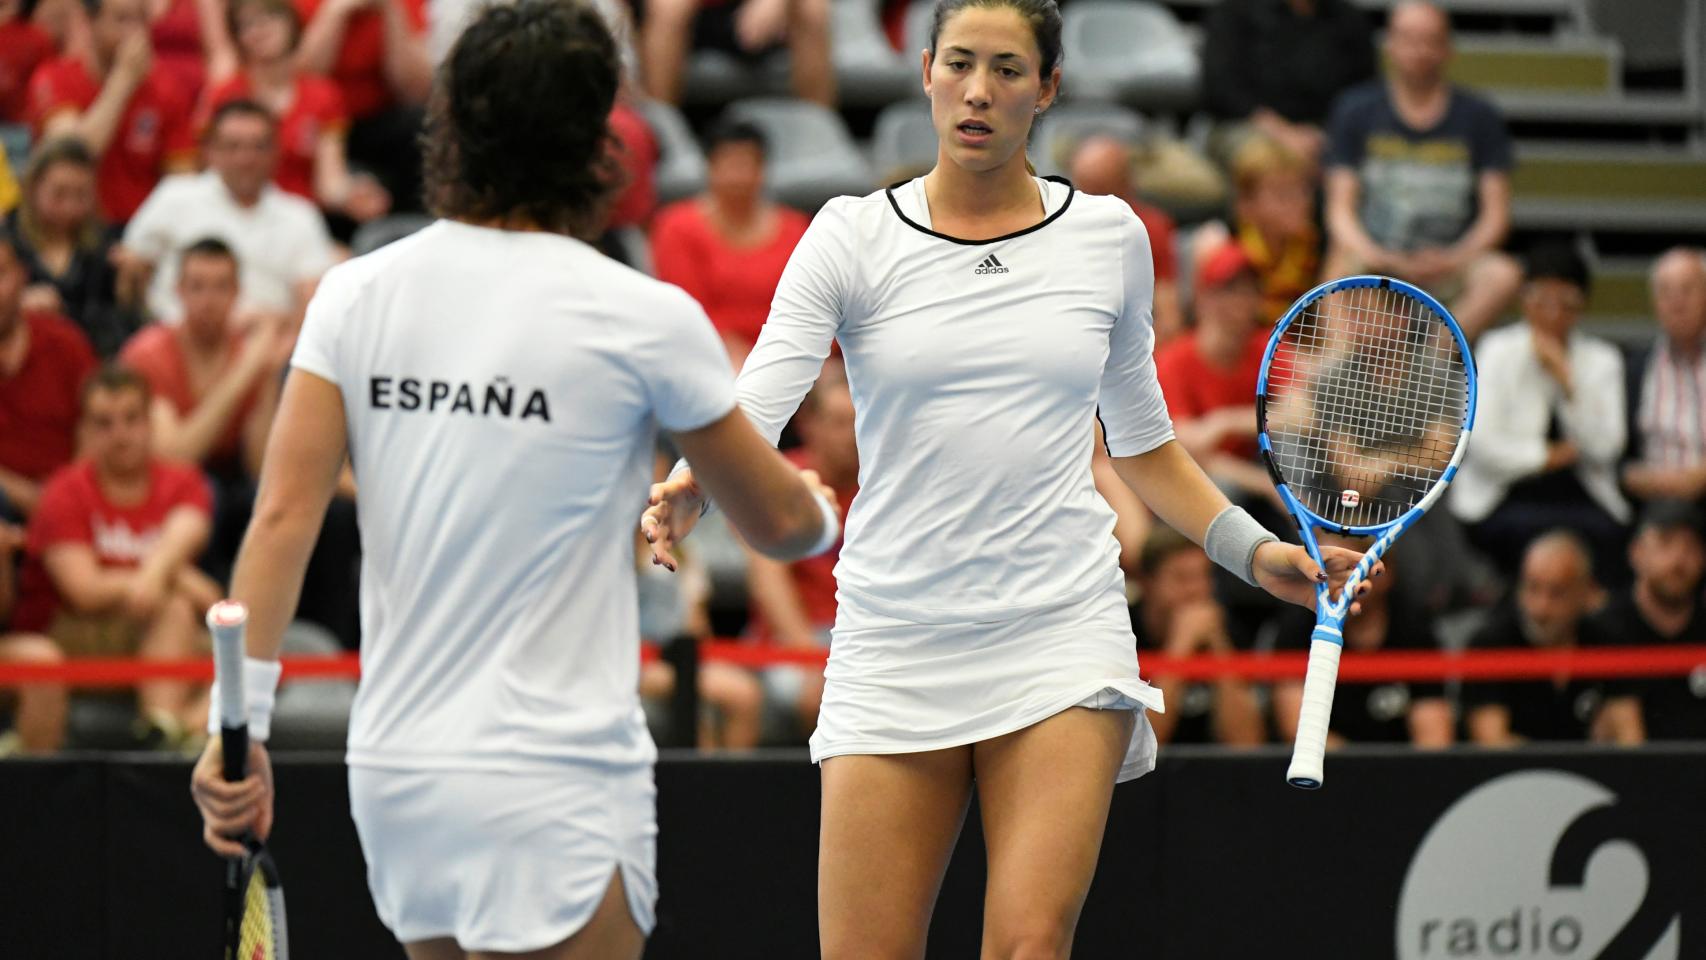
[1161, 229]
[814, 577]
[734, 284]
[73, 510]
[39, 406]
[153, 132]
[315, 108]
[23, 47]
[176, 37]
[638, 156]
[360, 69]
[1194, 388]
[157, 354]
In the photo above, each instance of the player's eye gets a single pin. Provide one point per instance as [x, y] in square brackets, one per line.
[1011, 73]
[958, 65]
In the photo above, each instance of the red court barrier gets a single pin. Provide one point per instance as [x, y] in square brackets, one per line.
[1356, 667]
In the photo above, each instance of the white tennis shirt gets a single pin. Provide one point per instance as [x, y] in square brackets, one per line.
[503, 392]
[977, 371]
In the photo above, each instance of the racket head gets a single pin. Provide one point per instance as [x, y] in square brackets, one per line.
[255, 922]
[1364, 404]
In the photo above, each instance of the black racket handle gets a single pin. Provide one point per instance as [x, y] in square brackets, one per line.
[234, 749]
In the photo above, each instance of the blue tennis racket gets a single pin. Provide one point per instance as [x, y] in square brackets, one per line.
[1364, 406]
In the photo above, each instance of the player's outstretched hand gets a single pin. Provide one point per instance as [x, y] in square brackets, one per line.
[229, 810]
[1287, 571]
[672, 514]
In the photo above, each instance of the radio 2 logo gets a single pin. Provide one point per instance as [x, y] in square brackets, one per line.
[1531, 865]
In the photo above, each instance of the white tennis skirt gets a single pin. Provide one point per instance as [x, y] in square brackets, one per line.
[505, 862]
[895, 686]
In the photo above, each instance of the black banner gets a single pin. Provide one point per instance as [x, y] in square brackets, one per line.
[1556, 853]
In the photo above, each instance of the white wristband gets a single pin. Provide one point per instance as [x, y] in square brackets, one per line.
[260, 689]
[1233, 538]
[831, 526]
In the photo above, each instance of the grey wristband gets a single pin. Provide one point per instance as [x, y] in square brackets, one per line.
[1232, 540]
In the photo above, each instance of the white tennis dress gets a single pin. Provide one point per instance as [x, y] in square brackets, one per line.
[979, 582]
[503, 392]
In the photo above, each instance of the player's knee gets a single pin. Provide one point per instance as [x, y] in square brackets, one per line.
[1500, 271]
[31, 648]
[1039, 939]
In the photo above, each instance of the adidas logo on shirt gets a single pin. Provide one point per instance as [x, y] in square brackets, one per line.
[990, 265]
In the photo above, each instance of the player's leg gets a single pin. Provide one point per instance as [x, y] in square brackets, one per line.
[1490, 283]
[41, 710]
[443, 948]
[1044, 793]
[889, 824]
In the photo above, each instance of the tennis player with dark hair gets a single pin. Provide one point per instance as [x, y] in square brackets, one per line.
[985, 317]
[498, 385]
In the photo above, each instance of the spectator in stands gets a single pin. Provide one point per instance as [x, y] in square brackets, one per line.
[280, 239]
[1418, 177]
[9, 192]
[793, 605]
[191, 42]
[1274, 210]
[67, 250]
[1664, 608]
[1209, 374]
[111, 568]
[1549, 426]
[728, 246]
[376, 52]
[43, 362]
[1276, 65]
[1176, 615]
[313, 126]
[39, 710]
[23, 47]
[1550, 610]
[670, 30]
[1670, 408]
[129, 111]
[214, 388]
[1103, 165]
[1414, 712]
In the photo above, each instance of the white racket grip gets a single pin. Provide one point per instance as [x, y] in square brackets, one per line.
[226, 620]
[1307, 755]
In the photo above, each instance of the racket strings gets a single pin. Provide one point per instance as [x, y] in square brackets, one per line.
[258, 937]
[1366, 399]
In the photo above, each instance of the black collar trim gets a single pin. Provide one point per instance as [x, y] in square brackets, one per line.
[1071, 192]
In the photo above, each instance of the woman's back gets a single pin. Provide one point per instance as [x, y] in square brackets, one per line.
[502, 392]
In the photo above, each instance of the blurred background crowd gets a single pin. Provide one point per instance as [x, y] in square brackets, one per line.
[177, 175]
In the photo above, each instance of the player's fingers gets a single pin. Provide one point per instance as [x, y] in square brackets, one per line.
[1306, 565]
[231, 826]
[656, 494]
[220, 790]
[220, 845]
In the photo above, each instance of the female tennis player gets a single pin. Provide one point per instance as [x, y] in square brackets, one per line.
[498, 385]
[985, 317]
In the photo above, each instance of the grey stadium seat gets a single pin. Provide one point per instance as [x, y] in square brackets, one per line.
[917, 33]
[717, 77]
[904, 140]
[812, 157]
[16, 139]
[311, 714]
[1132, 51]
[374, 234]
[680, 172]
[867, 70]
[1070, 122]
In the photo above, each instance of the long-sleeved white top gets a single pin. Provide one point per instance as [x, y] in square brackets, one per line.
[977, 370]
[1517, 399]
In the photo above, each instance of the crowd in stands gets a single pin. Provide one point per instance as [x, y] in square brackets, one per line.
[195, 166]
